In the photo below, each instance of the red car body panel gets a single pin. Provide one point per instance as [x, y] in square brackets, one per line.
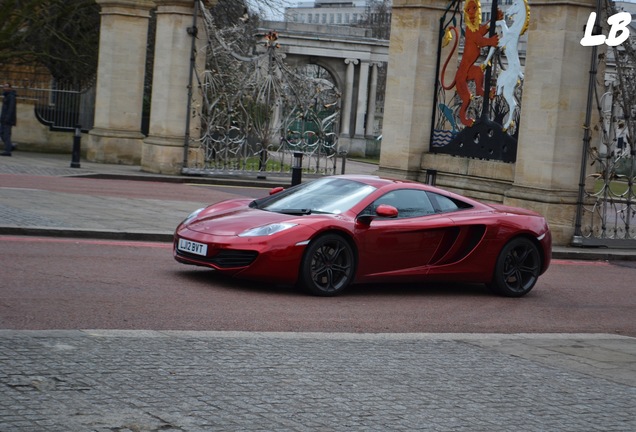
[461, 245]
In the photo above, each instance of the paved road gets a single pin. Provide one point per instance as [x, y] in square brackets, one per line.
[145, 380]
[54, 283]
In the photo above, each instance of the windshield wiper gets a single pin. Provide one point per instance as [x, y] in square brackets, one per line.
[300, 212]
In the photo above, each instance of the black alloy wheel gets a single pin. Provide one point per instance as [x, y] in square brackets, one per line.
[328, 265]
[517, 269]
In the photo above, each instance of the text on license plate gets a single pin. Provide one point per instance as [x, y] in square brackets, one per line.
[192, 247]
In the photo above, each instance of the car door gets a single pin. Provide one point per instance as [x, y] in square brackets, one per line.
[403, 245]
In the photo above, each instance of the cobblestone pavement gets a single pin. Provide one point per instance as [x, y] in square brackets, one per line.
[63, 214]
[39, 211]
[198, 381]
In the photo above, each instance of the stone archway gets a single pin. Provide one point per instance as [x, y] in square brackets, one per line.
[351, 57]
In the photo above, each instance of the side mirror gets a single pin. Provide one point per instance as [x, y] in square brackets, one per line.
[276, 190]
[386, 211]
[383, 210]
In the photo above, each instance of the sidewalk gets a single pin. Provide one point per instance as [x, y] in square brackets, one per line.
[105, 381]
[37, 208]
[33, 211]
[146, 380]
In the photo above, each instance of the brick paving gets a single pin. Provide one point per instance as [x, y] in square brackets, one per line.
[197, 381]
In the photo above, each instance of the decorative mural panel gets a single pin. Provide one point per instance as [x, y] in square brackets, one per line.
[480, 80]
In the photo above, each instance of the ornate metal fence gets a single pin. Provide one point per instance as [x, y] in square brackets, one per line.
[255, 112]
[606, 214]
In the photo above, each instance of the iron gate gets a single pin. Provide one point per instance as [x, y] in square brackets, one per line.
[606, 207]
[255, 112]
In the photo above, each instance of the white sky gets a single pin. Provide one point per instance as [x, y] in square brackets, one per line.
[277, 14]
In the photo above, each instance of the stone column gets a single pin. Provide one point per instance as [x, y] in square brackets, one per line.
[410, 85]
[363, 93]
[348, 99]
[163, 149]
[553, 111]
[116, 136]
[373, 92]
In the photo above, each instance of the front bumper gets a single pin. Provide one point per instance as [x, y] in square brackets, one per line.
[272, 258]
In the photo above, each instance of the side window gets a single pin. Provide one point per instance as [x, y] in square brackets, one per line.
[409, 203]
[443, 204]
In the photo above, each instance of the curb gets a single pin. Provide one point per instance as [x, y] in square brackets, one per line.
[80, 233]
[561, 253]
[593, 254]
[216, 181]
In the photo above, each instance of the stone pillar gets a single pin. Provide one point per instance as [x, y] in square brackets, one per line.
[348, 99]
[553, 111]
[116, 136]
[373, 92]
[410, 85]
[363, 93]
[163, 149]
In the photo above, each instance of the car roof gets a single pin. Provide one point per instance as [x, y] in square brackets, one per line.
[376, 181]
[388, 183]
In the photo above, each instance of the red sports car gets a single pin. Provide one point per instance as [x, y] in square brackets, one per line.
[334, 231]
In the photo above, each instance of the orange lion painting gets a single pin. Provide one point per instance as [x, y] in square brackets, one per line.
[475, 39]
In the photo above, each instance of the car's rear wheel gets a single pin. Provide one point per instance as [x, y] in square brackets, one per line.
[328, 265]
[517, 269]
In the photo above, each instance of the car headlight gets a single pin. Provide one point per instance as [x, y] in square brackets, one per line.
[267, 230]
[192, 215]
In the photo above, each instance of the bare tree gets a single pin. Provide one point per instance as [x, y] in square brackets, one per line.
[60, 35]
[63, 36]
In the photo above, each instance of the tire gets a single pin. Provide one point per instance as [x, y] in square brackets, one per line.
[328, 266]
[517, 269]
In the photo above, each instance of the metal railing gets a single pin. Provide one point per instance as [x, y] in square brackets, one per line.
[62, 109]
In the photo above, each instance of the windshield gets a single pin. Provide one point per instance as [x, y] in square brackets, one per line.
[328, 195]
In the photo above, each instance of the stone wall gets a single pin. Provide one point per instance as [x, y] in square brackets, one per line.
[31, 135]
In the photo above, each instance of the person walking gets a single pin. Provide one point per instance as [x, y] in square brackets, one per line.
[622, 139]
[8, 118]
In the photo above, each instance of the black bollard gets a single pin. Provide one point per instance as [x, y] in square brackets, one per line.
[431, 177]
[262, 164]
[343, 153]
[297, 168]
[77, 143]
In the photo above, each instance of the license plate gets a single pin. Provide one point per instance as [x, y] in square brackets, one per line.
[192, 247]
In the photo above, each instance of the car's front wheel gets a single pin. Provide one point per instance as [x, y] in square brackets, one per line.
[517, 269]
[328, 265]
